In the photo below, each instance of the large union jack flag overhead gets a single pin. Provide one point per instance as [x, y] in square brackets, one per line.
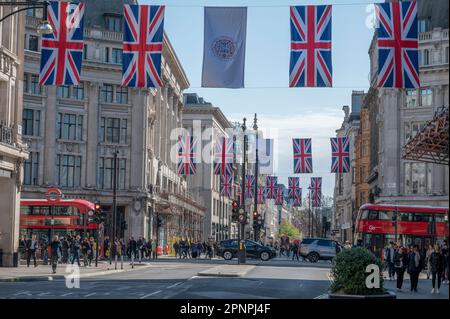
[310, 46]
[340, 155]
[398, 57]
[316, 191]
[223, 155]
[226, 183]
[142, 45]
[302, 156]
[187, 148]
[62, 50]
[249, 186]
[271, 187]
[293, 186]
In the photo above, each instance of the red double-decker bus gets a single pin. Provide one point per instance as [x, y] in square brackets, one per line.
[62, 217]
[377, 225]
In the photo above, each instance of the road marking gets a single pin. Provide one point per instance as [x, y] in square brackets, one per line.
[174, 285]
[43, 293]
[151, 294]
[88, 295]
[323, 296]
[23, 292]
[193, 277]
[66, 294]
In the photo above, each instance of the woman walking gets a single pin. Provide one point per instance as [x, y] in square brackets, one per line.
[437, 262]
[401, 262]
[427, 260]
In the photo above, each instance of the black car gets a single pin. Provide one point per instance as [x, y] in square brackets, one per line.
[228, 249]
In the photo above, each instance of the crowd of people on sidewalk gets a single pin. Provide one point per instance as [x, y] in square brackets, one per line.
[184, 249]
[399, 259]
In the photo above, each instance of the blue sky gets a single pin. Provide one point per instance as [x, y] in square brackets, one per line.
[289, 113]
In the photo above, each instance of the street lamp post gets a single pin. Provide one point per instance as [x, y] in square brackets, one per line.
[255, 208]
[241, 247]
[45, 27]
[309, 217]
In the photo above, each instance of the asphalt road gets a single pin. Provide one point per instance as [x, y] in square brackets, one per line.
[178, 279]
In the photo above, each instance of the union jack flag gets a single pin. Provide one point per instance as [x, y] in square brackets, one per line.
[294, 185]
[62, 50]
[223, 156]
[297, 200]
[302, 156]
[249, 186]
[271, 187]
[340, 155]
[398, 57]
[316, 188]
[260, 197]
[226, 182]
[142, 45]
[279, 196]
[310, 46]
[186, 155]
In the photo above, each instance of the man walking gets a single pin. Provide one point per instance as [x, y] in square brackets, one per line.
[55, 252]
[295, 251]
[75, 248]
[414, 267]
[31, 246]
[389, 259]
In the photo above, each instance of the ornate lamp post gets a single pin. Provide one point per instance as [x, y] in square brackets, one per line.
[45, 27]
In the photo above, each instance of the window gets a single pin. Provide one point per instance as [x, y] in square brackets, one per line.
[106, 55]
[114, 24]
[106, 93]
[411, 129]
[78, 92]
[424, 25]
[35, 87]
[63, 91]
[117, 56]
[324, 243]
[113, 130]
[85, 52]
[341, 184]
[417, 178]
[426, 97]
[33, 43]
[106, 171]
[70, 126]
[69, 170]
[411, 98]
[122, 95]
[35, 12]
[446, 57]
[31, 169]
[31, 122]
[426, 57]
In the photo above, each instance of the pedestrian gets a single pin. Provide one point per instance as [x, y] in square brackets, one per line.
[437, 263]
[295, 251]
[149, 249]
[389, 259]
[132, 246]
[106, 247]
[199, 249]
[65, 250]
[75, 250]
[43, 245]
[55, 252]
[91, 251]
[175, 248]
[414, 267]
[445, 253]
[31, 247]
[401, 262]
[86, 250]
[427, 260]
[140, 244]
[22, 247]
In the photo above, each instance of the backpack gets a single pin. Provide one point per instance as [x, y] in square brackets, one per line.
[398, 262]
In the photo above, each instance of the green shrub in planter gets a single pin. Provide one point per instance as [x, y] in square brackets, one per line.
[349, 272]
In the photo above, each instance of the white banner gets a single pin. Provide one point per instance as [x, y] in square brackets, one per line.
[265, 156]
[224, 47]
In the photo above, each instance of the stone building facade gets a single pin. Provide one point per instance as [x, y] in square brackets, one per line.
[198, 114]
[362, 158]
[397, 115]
[73, 132]
[12, 151]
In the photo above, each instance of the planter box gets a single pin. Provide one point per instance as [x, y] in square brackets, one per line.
[387, 295]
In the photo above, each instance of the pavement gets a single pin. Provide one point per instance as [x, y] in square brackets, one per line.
[44, 272]
[227, 271]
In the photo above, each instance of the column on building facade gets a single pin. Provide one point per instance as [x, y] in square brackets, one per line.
[92, 134]
[49, 156]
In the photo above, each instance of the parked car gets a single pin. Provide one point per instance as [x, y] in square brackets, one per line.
[315, 249]
[228, 249]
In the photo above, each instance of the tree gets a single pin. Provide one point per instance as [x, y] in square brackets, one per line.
[287, 229]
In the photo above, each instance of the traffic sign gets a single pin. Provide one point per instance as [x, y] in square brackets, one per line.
[53, 195]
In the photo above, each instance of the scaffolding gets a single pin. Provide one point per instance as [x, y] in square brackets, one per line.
[431, 143]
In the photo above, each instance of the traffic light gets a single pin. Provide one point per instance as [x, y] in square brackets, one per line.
[99, 216]
[255, 219]
[235, 211]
